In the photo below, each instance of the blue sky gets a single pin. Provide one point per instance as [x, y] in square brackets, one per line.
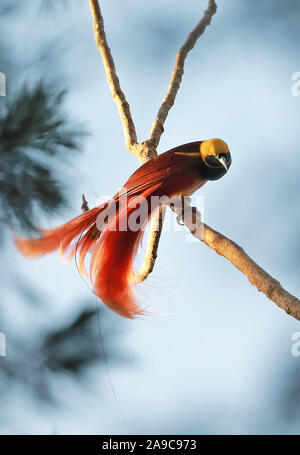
[212, 363]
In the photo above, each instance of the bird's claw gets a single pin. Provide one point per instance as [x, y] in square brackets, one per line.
[178, 219]
[179, 206]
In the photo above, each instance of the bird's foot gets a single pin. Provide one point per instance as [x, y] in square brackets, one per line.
[180, 205]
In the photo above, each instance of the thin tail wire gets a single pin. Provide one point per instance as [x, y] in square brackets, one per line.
[106, 365]
[101, 338]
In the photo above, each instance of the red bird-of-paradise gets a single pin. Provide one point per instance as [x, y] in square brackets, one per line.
[112, 231]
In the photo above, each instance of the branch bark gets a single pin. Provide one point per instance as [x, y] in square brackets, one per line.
[152, 247]
[230, 250]
[176, 77]
[112, 77]
[256, 275]
[147, 149]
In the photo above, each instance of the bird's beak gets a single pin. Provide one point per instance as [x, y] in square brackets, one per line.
[223, 162]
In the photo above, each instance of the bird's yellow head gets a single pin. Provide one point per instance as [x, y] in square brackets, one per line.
[215, 153]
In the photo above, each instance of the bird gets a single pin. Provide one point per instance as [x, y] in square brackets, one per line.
[112, 231]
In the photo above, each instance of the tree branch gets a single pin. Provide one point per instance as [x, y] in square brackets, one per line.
[147, 150]
[158, 124]
[152, 247]
[256, 275]
[112, 78]
[236, 255]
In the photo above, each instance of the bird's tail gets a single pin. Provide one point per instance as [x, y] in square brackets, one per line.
[60, 237]
[112, 237]
[112, 260]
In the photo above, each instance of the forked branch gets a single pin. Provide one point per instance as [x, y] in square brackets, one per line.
[147, 150]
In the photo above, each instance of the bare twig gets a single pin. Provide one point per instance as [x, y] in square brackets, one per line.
[84, 205]
[255, 274]
[112, 78]
[158, 124]
[152, 247]
[236, 255]
[147, 150]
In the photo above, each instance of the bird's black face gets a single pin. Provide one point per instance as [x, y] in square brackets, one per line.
[216, 166]
[219, 161]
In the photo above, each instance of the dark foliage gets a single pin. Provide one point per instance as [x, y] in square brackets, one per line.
[68, 350]
[34, 135]
[73, 346]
